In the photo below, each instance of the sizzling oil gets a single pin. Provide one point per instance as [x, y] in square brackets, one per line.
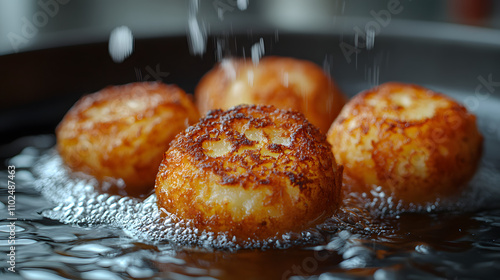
[66, 230]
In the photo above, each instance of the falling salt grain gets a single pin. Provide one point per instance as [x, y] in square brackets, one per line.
[121, 44]
[196, 33]
[257, 51]
[242, 4]
[370, 38]
[229, 69]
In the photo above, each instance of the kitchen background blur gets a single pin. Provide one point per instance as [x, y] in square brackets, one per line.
[27, 25]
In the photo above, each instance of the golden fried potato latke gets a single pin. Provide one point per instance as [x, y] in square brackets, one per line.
[418, 145]
[122, 132]
[252, 171]
[286, 83]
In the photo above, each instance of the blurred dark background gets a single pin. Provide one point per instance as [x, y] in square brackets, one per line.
[68, 22]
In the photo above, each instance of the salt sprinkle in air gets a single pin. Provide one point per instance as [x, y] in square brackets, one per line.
[257, 51]
[197, 33]
[121, 44]
[242, 4]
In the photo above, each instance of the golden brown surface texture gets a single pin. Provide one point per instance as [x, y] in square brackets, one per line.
[417, 144]
[122, 132]
[286, 83]
[251, 171]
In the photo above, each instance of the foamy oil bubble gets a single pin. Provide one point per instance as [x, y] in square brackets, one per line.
[481, 192]
[77, 202]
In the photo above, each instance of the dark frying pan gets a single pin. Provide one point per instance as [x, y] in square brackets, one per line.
[38, 87]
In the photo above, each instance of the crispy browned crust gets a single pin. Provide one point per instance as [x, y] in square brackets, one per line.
[206, 190]
[122, 131]
[414, 157]
[286, 83]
